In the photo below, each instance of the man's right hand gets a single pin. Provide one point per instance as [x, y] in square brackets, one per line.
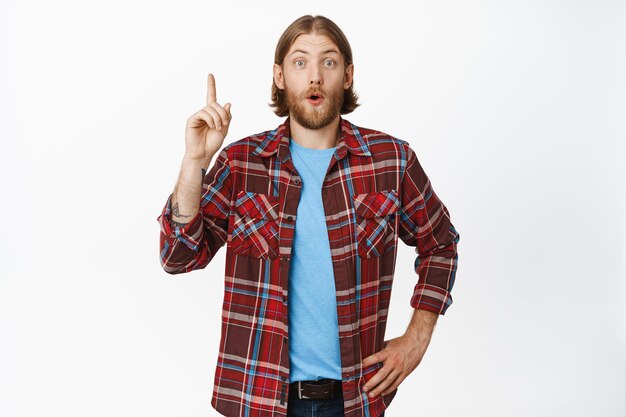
[206, 129]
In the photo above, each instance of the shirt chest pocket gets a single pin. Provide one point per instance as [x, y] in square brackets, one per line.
[375, 222]
[255, 225]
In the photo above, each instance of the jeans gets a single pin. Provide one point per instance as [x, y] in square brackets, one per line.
[307, 407]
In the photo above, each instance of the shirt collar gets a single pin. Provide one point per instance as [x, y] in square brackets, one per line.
[277, 140]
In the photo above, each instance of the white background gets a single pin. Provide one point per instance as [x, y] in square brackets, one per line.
[517, 112]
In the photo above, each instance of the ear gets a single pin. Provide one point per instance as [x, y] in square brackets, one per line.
[348, 76]
[278, 77]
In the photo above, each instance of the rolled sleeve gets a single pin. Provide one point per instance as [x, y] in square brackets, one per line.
[193, 245]
[190, 234]
[425, 224]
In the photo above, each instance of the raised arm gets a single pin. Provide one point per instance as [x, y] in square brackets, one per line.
[194, 221]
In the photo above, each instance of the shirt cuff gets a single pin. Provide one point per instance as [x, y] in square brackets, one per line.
[189, 234]
[431, 298]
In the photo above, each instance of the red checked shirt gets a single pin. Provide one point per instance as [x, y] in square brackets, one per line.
[375, 191]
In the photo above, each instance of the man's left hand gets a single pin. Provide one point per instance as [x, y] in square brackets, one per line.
[400, 357]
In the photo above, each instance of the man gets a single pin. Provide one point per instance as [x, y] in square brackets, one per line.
[310, 213]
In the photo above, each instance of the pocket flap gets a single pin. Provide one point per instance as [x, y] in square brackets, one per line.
[376, 204]
[257, 205]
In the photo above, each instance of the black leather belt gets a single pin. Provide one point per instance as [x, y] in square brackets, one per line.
[316, 390]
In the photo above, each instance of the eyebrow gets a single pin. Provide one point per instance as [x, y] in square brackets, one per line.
[328, 51]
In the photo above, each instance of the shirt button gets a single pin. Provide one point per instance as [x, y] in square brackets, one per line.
[296, 181]
[290, 218]
[285, 340]
[283, 257]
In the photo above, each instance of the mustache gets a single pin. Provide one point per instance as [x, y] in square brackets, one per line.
[317, 92]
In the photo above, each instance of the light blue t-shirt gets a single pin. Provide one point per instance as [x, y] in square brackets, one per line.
[313, 326]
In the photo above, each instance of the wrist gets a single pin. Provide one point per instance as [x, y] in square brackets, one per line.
[197, 162]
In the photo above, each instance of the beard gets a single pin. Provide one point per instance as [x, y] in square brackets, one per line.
[314, 117]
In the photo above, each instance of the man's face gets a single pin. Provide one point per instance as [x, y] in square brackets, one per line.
[313, 66]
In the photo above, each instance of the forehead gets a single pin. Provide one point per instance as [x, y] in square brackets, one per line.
[314, 43]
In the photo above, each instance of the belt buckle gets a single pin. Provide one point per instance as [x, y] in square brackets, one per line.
[300, 396]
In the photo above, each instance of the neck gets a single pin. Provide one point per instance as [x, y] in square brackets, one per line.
[323, 138]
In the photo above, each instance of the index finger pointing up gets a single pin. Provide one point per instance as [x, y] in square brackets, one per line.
[210, 90]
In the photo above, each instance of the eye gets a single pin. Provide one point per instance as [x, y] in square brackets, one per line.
[332, 63]
[299, 61]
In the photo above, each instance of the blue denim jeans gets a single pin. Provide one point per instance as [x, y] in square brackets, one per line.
[307, 407]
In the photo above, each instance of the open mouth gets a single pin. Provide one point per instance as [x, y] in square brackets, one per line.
[315, 99]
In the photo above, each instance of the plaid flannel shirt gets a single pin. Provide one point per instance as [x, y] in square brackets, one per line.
[375, 191]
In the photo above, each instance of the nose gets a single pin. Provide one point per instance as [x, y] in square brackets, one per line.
[315, 76]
